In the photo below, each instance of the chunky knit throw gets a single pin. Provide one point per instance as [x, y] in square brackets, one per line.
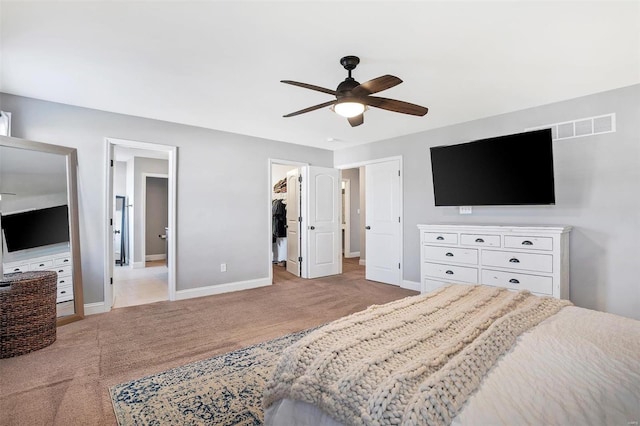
[412, 361]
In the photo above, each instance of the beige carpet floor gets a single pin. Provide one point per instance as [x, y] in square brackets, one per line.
[67, 383]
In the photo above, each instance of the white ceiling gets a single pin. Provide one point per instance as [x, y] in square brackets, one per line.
[218, 64]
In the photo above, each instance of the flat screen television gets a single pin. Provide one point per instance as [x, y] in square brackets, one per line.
[36, 228]
[507, 170]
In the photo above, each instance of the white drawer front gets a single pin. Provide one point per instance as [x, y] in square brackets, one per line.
[515, 281]
[62, 261]
[450, 254]
[451, 273]
[480, 240]
[524, 242]
[440, 238]
[524, 261]
[64, 280]
[430, 285]
[65, 293]
[16, 268]
[63, 270]
[42, 265]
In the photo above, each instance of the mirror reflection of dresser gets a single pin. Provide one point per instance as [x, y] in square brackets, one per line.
[39, 217]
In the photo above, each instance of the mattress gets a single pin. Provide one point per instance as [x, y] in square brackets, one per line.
[576, 367]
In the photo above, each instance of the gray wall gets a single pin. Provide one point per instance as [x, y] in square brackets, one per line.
[597, 192]
[223, 189]
[156, 215]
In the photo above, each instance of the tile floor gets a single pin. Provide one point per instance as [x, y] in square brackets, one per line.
[140, 286]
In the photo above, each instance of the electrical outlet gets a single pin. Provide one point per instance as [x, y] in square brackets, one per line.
[466, 210]
[223, 267]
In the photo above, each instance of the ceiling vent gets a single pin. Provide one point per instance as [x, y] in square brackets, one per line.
[580, 127]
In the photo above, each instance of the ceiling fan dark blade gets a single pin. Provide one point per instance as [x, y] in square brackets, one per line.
[395, 106]
[357, 120]
[309, 86]
[311, 108]
[376, 85]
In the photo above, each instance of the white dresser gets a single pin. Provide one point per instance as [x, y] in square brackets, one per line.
[535, 258]
[61, 262]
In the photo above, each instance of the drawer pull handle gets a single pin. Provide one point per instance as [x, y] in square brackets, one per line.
[514, 260]
[16, 270]
[479, 240]
[439, 238]
[42, 264]
[60, 270]
[65, 261]
[63, 291]
[514, 281]
[449, 254]
[61, 282]
[527, 243]
[448, 272]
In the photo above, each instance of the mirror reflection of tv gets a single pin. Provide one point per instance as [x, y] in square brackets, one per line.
[36, 228]
[507, 170]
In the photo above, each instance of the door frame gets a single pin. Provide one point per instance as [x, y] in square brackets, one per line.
[143, 222]
[269, 251]
[172, 151]
[346, 206]
[400, 201]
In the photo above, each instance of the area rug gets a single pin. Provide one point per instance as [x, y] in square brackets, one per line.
[223, 390]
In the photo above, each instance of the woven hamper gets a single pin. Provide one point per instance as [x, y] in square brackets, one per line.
[27, 312]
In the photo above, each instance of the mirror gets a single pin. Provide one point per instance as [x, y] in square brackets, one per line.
[39, 217]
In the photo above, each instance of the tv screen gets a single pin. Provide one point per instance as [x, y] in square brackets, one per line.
[507, 170]
[36, 228]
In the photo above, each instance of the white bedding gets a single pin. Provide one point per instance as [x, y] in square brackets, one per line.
[576, 367]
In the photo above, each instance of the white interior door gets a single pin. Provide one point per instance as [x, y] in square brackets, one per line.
[382, 228]
[109, 293]
[323, 223]
[293, 224]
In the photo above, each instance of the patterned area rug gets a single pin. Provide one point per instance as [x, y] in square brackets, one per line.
[223, 390]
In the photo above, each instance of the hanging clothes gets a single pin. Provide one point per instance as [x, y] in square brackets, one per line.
[279, 215]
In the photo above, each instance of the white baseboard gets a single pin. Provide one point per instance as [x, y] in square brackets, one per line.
[352, 254]
[151, 257]
[362, 262]
[137, 265]
[94, 308]
[411, 285]
[222, 288]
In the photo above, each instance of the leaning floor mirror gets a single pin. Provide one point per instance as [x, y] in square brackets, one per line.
[39, 217]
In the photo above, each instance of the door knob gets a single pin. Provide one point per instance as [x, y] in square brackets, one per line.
[312, 227]
[116, 231]
[367, 227]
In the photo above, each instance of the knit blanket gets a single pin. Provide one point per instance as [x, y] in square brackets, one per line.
[412, 361]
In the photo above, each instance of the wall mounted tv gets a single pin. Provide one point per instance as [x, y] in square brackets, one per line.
[507, 170]
[36, 228]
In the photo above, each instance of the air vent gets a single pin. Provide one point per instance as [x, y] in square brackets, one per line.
[580, 127]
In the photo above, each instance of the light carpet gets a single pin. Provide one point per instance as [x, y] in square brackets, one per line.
[223, 390]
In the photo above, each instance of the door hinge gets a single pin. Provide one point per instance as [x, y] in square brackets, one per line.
[300, 259]
[299, 218]
[111, 280]
[111, 222]
[398, 219]
[300, 179]
[111, 163]
[398, 172]
[398, 266]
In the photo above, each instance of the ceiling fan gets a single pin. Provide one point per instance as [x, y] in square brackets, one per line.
[352, 98]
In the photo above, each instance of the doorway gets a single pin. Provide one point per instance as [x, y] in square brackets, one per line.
[139, 173]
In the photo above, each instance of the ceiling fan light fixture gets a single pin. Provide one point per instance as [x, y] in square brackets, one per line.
[348, 109]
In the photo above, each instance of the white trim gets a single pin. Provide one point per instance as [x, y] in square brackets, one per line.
[172, 152]
[347, 218]
[362, 262]
[143, 202]
[152, 257]
[222, 288]
[400, 201]
[136, 265]
[410, 285]
[95, 308]
[270, 163]
[352, 254]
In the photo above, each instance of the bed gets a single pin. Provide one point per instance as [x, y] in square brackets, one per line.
[462, 355]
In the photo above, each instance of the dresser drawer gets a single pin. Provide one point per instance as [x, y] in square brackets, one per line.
[451, 273]
[64, 293]
[67, 280]
[440, 238]
[41, 265]
[430, 285]
[66, 260]
[63, 270]
[524, 242]
[16, 268]
[524, 261]
[515, 281]
[450, 254]
[480, 240]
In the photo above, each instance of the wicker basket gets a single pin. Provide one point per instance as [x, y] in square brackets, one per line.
[27, 312]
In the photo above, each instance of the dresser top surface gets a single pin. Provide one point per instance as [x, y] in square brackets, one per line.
[439, 227]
